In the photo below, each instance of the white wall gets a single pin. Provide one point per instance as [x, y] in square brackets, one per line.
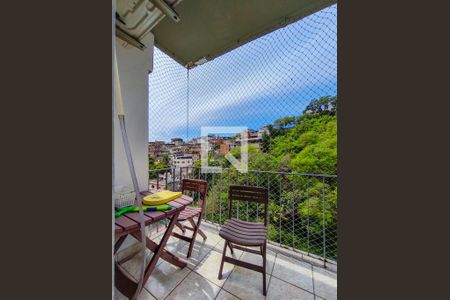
[134, 67]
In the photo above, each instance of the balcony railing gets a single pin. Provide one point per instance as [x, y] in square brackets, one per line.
[302, 207]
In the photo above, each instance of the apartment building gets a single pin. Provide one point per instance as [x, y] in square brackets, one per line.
[181, 161]
[177, 141]
[253, 137]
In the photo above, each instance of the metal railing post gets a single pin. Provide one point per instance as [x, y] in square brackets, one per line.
[181, 176]
[268, 193]
[257, 206]
[228, 190]
[220, 198]
[165, 175]
[293, 213]
[307, 214]
[157, 180]
[323, 220]
[212, 198]
[207, 187]
[238, 203]
[173, 179]
[247, 201]
[281, 210]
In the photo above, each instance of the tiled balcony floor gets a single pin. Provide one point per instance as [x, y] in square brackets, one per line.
[287, 278]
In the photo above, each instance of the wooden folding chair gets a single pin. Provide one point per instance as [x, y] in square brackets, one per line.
[189, 213]
[238, 234]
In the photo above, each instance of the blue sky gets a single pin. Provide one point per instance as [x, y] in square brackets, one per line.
[272, 77]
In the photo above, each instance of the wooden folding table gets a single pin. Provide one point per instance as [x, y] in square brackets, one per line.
[129, 224]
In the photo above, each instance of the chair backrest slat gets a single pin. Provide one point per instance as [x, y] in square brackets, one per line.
[196, 186]
[248, 193]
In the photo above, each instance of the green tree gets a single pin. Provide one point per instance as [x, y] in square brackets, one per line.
[151, 162]
[285, 122]
[322, 105]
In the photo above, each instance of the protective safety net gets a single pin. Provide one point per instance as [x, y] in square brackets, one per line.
[283, 88]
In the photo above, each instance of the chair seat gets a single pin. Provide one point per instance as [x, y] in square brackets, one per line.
[189, 212]
[244, 233]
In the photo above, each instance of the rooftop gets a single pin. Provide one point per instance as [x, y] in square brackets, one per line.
[289, 275]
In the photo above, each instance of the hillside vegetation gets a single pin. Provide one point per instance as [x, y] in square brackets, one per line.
[302, 208]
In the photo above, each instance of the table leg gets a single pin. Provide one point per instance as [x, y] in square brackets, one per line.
[164, 254]
[160, 249]
[124, 282]
[119, 243]
[127, 285]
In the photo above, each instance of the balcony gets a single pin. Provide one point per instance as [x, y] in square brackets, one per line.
[290, 274]
[302, 207]
[301, 248]
[211, 71]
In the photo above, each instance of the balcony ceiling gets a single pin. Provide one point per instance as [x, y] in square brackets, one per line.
[208, 29]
